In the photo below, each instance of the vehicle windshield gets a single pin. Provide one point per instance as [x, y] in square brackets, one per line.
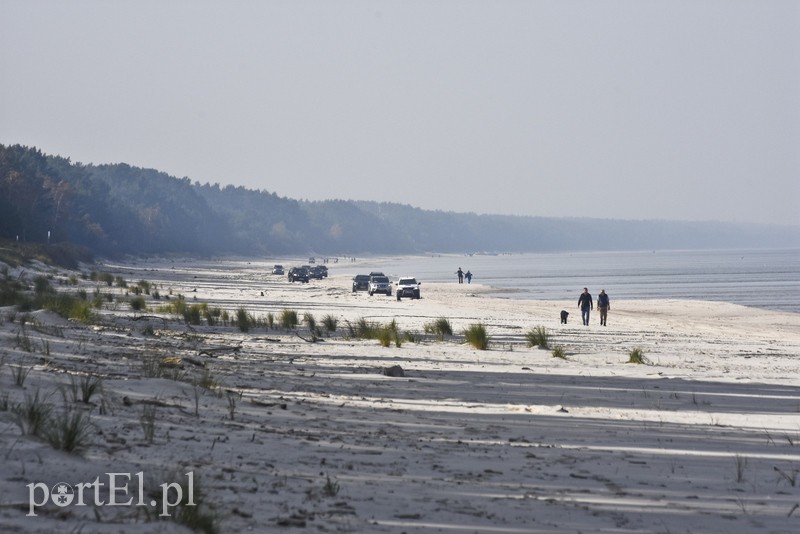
[362, 278]
[380, 279]
[408, 281]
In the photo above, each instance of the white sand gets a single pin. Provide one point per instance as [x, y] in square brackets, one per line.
[705, 439]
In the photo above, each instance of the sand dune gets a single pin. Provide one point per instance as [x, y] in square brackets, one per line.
[291, 434]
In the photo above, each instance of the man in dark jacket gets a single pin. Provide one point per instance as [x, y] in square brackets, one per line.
[585, 304]
[603, 305]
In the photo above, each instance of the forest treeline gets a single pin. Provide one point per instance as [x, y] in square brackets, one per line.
[119, 209]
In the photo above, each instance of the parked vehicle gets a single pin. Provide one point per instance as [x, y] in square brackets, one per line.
[298, 274]
[379, 284]
[360, 282]
[277, 269]
[319, 272]
[408, 287]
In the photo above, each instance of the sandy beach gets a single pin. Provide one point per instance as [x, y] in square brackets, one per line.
[284, 430]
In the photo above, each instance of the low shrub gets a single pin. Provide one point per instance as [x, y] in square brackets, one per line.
[137, 304]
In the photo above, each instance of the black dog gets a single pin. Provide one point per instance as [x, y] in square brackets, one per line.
[564, 315]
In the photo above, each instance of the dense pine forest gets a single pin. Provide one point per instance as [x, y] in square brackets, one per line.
[112, 210]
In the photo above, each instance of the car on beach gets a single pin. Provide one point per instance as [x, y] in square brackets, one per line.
[319, 272]
[360, 282]
[379, 284]
[277, 269]
[408, 286]
[298, 274]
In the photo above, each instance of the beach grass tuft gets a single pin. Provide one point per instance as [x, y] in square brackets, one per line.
[538, 337]
[330, 323]
[310, 321]
[148, 422]
[83, 389]
[331, 487]
[636, 355]
[477, 336]
[72, 432]
[440, 327]
[33, 414]
[20, 374]
[558, 352]
[243, 319]
[289, 319]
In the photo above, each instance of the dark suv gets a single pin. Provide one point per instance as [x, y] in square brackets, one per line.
[319, 272]
[298, 274]
[360, 282]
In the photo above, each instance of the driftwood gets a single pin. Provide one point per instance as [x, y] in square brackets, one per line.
[140, 317]
[257, 402]
[314, 339]
[212, 351]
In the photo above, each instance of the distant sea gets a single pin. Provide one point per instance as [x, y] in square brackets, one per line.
[767, 279]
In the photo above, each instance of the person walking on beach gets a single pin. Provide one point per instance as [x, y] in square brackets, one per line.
[603, 305]
[468, 276]
[585, 304]
[460, 274]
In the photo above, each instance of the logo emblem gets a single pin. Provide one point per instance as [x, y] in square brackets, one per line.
[62, 494]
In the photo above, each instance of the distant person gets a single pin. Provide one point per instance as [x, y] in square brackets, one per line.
[585, 304]
[460, 274]
[603, 305]
[468, 276]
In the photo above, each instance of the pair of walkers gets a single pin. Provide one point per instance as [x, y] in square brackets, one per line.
[462, 276]
[586, 305]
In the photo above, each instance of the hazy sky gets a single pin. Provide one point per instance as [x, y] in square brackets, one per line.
[614, 109]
